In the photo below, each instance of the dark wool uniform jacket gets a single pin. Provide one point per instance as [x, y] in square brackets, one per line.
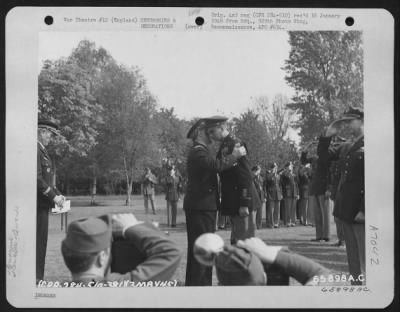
[46, 190]
[202, 185]
[290, 188]
[273, 186]
[161, 256]
[172, 186]
[350, 197]
[319, 174]
[237, 186]
[304, 179]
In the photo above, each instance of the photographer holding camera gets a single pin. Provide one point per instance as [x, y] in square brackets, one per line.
[88, 246]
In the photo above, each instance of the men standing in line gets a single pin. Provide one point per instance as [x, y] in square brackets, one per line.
[350, 197]
[304, 181]
[290, 190]
[259, 183]
[239, 198]
[317, 194]
[47, 193]
[172, 185]
[149, 180]
[202, 199]
[273, 194]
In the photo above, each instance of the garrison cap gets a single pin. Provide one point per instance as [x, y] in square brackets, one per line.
[49, 125]
[203, 123]
[237, 266]
[89, 235]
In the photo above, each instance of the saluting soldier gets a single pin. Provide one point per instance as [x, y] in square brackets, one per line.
[149, 180]
[350, 197]
[47, 192]
[290, 190]
[259, 183]
[274, 195]
[304, 181]
[202, 199]
[318, 192]
[239, 198]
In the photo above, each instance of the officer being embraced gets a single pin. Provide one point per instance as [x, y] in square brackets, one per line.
[87, 250]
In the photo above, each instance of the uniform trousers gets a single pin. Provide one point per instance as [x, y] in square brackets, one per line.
[290, 210]
[321, 215]
[243, 227]
[354, 236]
[172, 208]
[42, 228]
[221, 220]
[303, 204]
[273, 212]
[339, 229]
[148, 198]
[259, 215]
[198, 222]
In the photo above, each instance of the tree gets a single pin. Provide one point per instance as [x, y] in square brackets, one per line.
[276, 119]
[326, 70]
[66, 96]
[251, 130]
[130, 131]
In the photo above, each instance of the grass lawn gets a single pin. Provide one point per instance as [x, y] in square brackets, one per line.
[296, 238]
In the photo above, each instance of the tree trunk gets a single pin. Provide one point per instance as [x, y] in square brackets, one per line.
[128, 190]
[68, 187]
[93, 191]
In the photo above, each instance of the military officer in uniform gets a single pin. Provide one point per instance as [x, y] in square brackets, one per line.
[149, 180]
[239, 198]
[318, 192]
[47, 193]
[350, 198]
[290, 190]
[202, 199]
[259, 183]
[274, 195]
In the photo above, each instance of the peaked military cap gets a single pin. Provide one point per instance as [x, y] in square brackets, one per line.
[89, 235]
[206, 123]
[49, 125]
[237, 266]
[352, 113]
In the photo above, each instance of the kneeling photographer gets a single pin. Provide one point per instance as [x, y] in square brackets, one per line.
[118, 248]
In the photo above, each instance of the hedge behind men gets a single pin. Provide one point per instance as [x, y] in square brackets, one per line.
[239, 198]
[202, 199]
[350, 197]
[87, 250]
[47, 193]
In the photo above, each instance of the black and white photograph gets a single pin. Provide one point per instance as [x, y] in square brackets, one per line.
[198, 159]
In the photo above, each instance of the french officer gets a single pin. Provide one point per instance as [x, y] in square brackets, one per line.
[201, 199]
[47, 192]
